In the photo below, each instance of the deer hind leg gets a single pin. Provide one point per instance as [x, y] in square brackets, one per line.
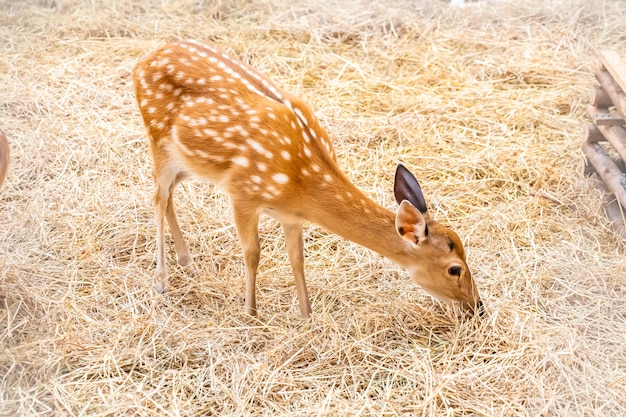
[165, 183]
[160, 207]
[182, 252]
[295, 250]
[247, 224]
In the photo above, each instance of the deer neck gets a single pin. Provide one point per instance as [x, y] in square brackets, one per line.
[349, 213]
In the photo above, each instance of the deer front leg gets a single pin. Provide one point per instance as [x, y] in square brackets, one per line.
[247, 224]
[295, 250]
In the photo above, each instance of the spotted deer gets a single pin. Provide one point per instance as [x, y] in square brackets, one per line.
[211, 116]
[4, 157]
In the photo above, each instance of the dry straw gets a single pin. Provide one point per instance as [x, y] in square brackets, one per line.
[485, 103]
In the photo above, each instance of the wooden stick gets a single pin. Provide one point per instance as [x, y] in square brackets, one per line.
[592, 134]
[614, 179]
[615, 135]
[599, 98]
[603, 117]
[616, 66]
[615, 213]
[612, 208]
[613, 90]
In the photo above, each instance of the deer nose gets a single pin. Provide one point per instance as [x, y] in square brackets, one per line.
[480, 308]
[473, 309]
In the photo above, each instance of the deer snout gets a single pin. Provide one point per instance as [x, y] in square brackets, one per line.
[480, 307]
[474, 308]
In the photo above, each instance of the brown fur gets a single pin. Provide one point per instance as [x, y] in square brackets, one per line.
[209, 115]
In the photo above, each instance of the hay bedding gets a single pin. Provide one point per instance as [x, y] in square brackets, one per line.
[484, 103]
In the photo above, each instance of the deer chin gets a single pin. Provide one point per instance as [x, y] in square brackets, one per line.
[465, 307]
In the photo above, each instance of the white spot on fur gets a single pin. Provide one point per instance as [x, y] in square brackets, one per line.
[241, 160]
[280, 178]
[273, 190]
[301, 116]
[256, 146]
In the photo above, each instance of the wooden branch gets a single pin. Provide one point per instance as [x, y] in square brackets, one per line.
[614, 179]
[613, 90]
[615, 212]
[615, 135]
[603, 117]
[612, 208]
[599, 98]
[616, 66]
[592, 134]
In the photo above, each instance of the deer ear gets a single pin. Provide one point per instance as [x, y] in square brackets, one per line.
[407, 188]
[410, 223]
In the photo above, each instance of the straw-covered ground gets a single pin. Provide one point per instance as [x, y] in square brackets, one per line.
[484, 103]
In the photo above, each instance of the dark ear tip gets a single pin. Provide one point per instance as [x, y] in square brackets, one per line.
[406, 187]
[401, 171]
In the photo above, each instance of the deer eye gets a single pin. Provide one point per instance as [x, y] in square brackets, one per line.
[455, 271]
